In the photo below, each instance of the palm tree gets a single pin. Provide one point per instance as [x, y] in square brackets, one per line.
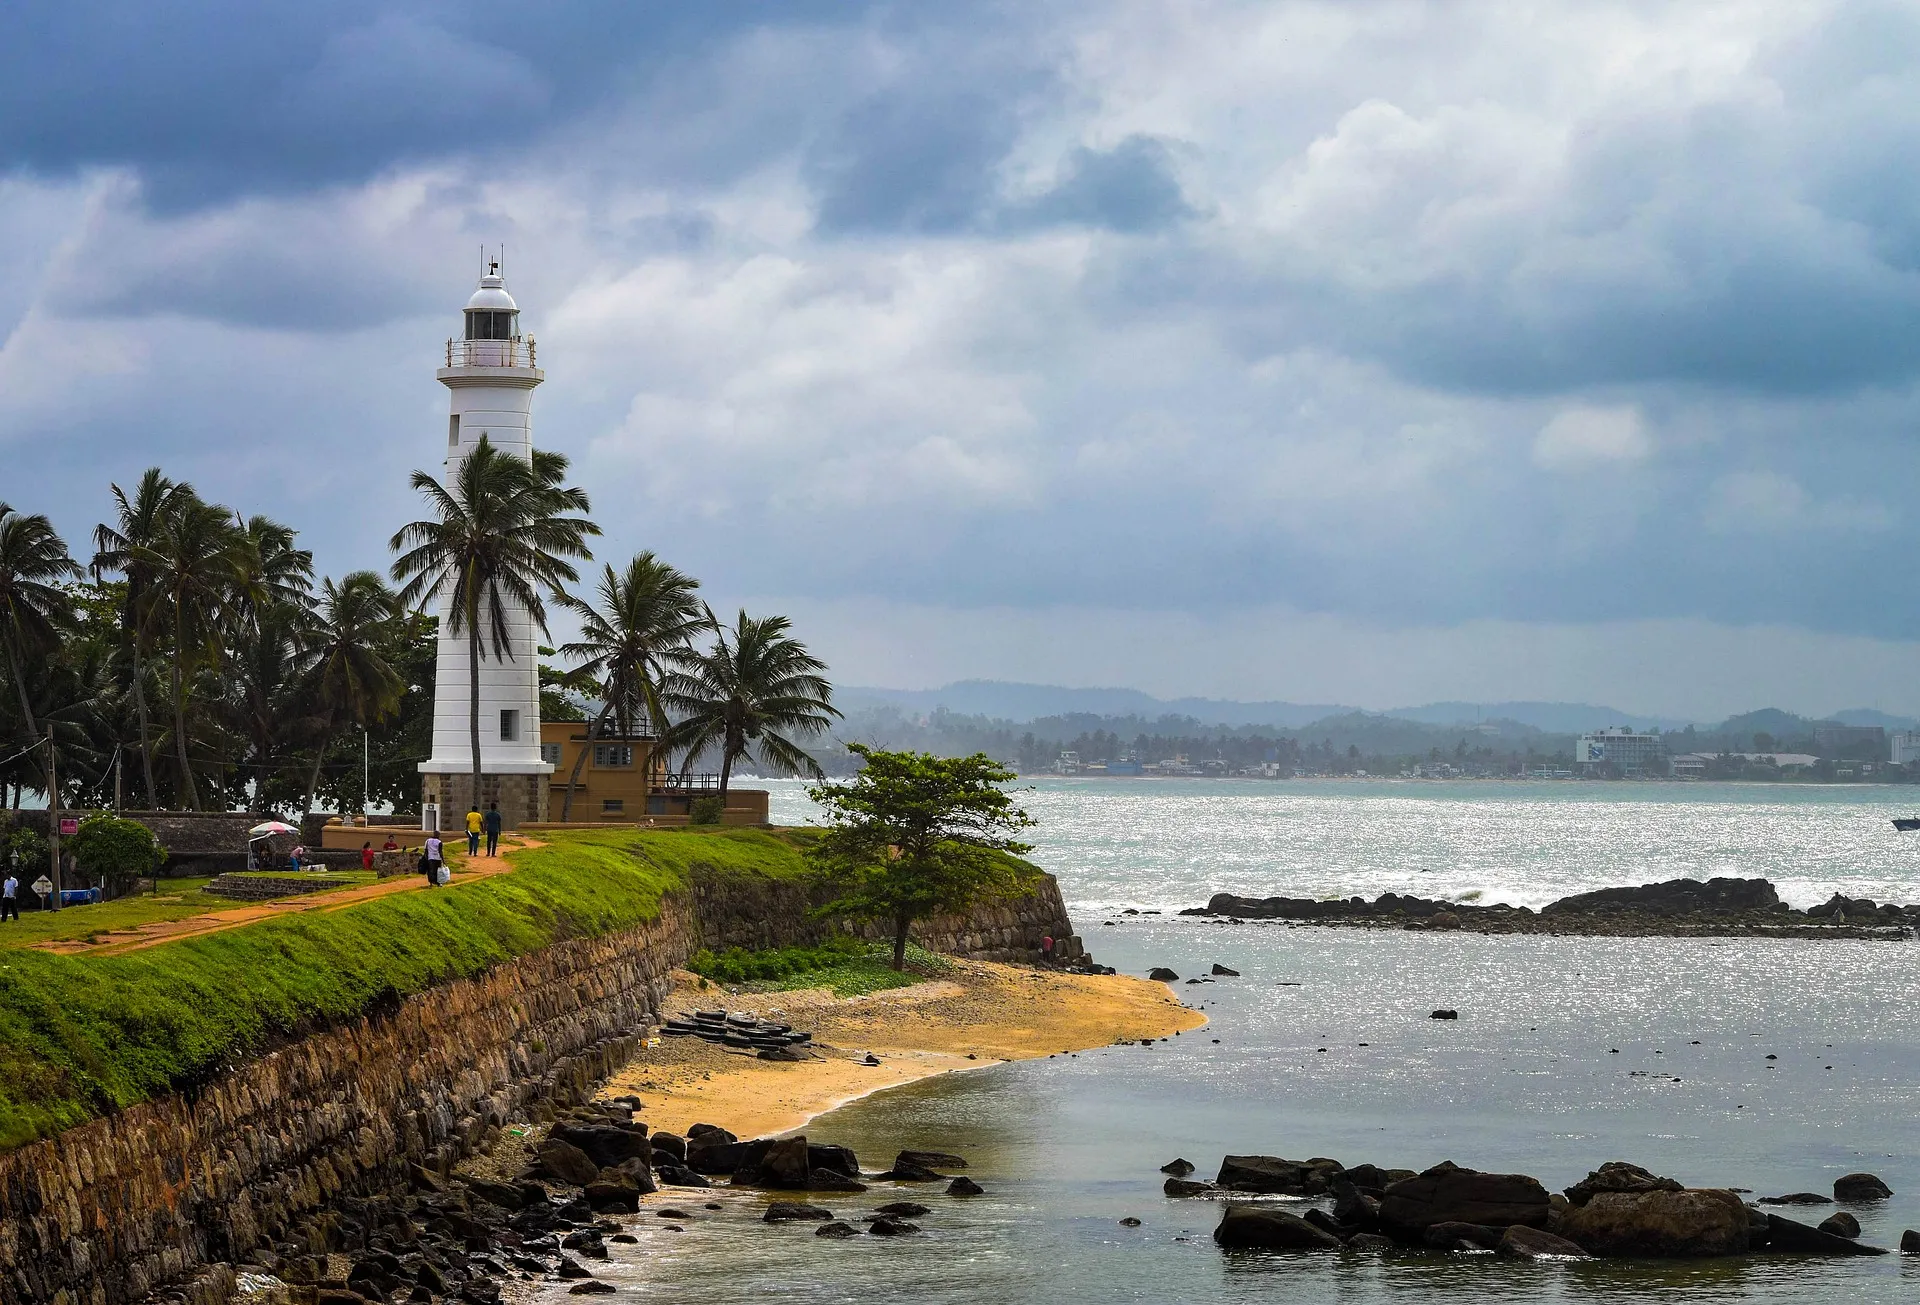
[127, 547]
[33, 607]
[350, 682]
[499, 535]
[199, 560]
[275, 573]
[647, 615]
[742, 694]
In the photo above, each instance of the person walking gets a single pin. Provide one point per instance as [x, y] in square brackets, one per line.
[435, 854]
[366, 855]
[473, 830]
[9, 898]
[493, 828]
[1046, 950]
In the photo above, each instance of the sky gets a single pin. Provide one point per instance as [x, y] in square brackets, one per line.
[1355, 352]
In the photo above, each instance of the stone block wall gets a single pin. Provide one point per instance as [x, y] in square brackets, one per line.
[522, 798]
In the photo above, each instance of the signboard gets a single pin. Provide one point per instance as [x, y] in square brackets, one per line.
[69, 825]
[43, 885]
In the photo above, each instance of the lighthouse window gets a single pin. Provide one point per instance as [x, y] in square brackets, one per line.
[453, 430]
[509, 726]
[488, 324]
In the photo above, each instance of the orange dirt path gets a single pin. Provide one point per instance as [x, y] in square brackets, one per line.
[165, 931]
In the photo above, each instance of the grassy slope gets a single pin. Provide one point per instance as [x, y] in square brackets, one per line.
[81, 1036]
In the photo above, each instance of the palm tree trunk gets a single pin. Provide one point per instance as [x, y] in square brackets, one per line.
[26, 708]
[726, 770]
[191, 794]
[146, 730]
[313, 776]
[902, 924]
[593, 732]
[473, 694]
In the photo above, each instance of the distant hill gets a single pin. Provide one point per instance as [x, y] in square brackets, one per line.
[1547, 717]
[1873, 716]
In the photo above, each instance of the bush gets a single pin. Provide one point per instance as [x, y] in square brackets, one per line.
[706, 810]
[737, 965]
[116, 851]
[30, 852]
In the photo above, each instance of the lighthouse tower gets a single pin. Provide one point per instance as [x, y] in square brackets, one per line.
[491, 374]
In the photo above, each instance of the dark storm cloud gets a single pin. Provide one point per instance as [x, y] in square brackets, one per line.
[1131, 188]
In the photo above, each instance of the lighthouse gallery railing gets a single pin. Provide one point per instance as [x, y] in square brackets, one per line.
[491, 353]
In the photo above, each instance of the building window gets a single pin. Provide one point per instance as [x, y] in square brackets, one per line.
[483, 324]
[550, 753]
[509, 726]
[612, 754]
[453, 430]
[613, 806]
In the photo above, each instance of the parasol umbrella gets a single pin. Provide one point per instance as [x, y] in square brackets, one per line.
[270, 827]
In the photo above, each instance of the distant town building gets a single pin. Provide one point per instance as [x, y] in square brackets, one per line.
[1622, 751]
[1863, 742]
[1906, 747]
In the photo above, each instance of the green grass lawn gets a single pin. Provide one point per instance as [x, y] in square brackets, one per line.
[82, 1035]
[850, 967]
[177, 899]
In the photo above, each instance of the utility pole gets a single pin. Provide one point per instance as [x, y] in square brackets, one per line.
[366, 774]
[53, 817]
[119, 751]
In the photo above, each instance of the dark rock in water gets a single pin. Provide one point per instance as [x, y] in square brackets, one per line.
[709, 1132]
[964, 1186]
[670, 1145]
[929, 1160]
[1797, 1198]
[1453, 1236]
[836, 1159]
[1373, 1177]
[784, 1164]
[566, 1163]
[1910, 1242]
[1788, 1235]
[1840, 1224]
[1675, 896]
[788, 1211]
[1523, 1243]
[1354, 1207]
[721, 1157]
[1223, 972]
[572, 1268]
[1447, 1193]
[1444, 1014]
[1163, 974]
[1327, 1223]
[1262, 1227]
[605, 1144]
[1178, 1168]
[825, 1180]
[912, 1174]
[1443, 920]
[669, 1212]
[836, 1229]
[1129, 1222]
[678, 1176]
[1273, 1176]
[1618, 1176]
[889, 1227]
[623, 1198]
[584, 1240]
[905, 1209]
[1860, 1187]
[1659, 1224]
[1369, 1242]
[1186, 1187]
[592, 1287]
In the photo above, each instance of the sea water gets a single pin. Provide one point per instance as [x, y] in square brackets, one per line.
[1769, 1064]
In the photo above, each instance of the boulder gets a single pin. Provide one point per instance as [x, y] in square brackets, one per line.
[1223, 972]
[1840, 1224]
[1618, 1176]
[572, 1268]
[1443, 920]
[613, 1198]
[836, 1229]
[1327, 1223]
[1659, 1224]
[826, 1180]
[1369, 1242]
[709, 1131]
[592, 1287]
[1796, 1198]
[1271, 1175]
[1458, 1236]
[1523, 1243]
[964, 1186]
[1374, 1178]
[1178, 1168]
[1910, 1242]
[1262, 1227]
[507, 1196]
[1789, 1235]
[912, 1174]
[605, 1144]
[1445, 1013]
[1860, 1187]
[1675, 896]
[670, 1145]
[680, 1176]
[717, 1156]
[1163, 974]
[928, 1160]
[905, 1209]
[1447, 1193]
[795, 1211]
[1354, 1207]
[564, 1162]
[886, 1226]
[836, 1159]
[783, 1164]
[1186, 1187]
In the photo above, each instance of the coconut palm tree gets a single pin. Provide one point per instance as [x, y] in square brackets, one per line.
[126, 547]
[199, 560]
[499, 536]
[33, 607]
[647, 615]
[350, 682]
[748, 692]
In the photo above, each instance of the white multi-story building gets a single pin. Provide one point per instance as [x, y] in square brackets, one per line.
[1906, 746]
[1621, 750]
[491, 373]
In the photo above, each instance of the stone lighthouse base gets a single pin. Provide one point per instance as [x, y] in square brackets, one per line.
[522, 797]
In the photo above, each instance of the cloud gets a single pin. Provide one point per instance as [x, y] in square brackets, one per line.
[1131, 187]
[1769, 502]
[1582, 439]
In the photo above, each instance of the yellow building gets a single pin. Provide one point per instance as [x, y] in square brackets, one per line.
[624, 781]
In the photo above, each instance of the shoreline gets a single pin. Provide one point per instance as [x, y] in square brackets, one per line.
[979, 1015]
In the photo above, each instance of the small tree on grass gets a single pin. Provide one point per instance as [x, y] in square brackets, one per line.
[914, 835]
[115, 850]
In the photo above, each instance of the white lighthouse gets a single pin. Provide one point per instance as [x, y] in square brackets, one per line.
[491, 373]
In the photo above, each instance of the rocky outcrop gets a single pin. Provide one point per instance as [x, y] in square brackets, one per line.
[1675, 896]
[1618, 1176]
[1658, 1223]
[1860, 1187]
[1448, 1193]
[1263, 1227]
[1270, 1175]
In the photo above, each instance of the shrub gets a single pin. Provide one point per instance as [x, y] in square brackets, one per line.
[30, 852]
[116, 851]
[706, 810]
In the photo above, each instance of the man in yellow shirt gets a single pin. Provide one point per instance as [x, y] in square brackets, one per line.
[473, 830]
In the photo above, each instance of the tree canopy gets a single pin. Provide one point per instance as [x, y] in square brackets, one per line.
[913, 836]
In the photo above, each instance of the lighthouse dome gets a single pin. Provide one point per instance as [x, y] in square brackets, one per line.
[493, 294]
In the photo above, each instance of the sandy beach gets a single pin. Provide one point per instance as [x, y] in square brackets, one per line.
[981, 1014]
